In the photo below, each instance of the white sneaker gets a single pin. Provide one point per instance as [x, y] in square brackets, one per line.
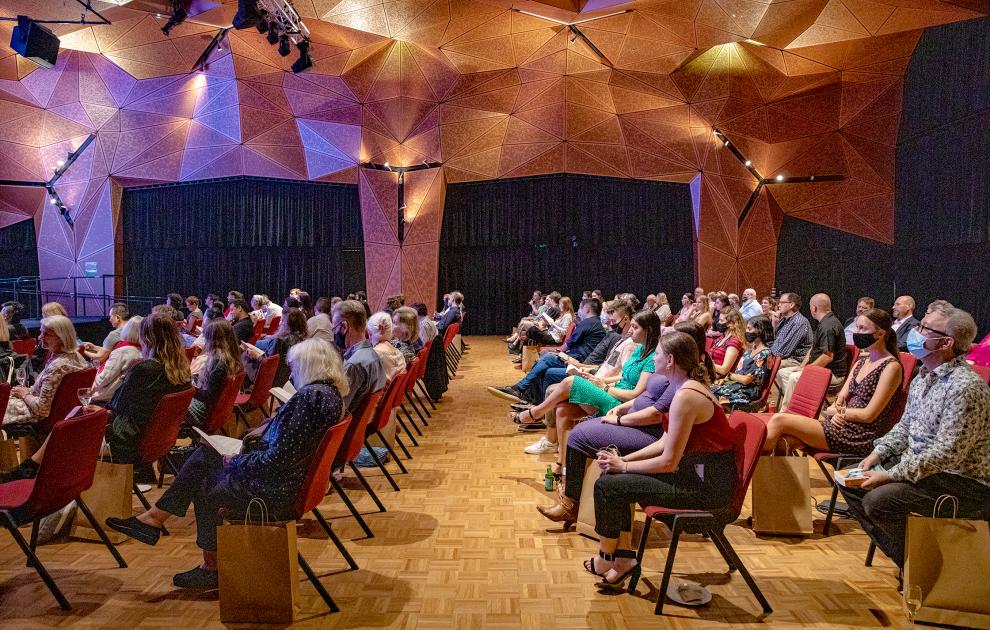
[543, 445]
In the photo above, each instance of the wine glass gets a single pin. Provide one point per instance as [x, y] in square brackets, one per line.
[22, 376]
[912, 601]
[85, 395]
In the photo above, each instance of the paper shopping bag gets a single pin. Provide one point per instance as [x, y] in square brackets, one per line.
[110, 495]
[530, 355]
[586, 508]
[8, 453]
[942, 558]
[258, 571]
[782, 496]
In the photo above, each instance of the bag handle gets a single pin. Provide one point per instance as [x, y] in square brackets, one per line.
[946, 499]
[788, 451]
[261, 506]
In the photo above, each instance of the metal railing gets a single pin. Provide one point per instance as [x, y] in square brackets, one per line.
[34, 291]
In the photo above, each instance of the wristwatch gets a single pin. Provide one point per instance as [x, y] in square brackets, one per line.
[618, 420]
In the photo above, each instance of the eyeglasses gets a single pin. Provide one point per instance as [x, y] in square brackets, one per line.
[784, 302]
[922, 328]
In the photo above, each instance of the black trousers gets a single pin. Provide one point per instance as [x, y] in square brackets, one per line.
[539, 336]
[883, 511]
[681, 489]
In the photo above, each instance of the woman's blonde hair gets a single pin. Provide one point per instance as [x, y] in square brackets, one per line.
[566, 306]
[160, 340]
[132, 330]
[53, 308]
[683, 348]
[662, 299]
[63, 329]
[409, 322]
[316, 360]
[221, 348]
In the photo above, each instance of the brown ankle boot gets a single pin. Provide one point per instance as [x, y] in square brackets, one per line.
[563, 511]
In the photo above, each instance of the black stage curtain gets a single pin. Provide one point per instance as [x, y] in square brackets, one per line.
[249, 234]
[942, 195]
[20, 250]
[502, 239]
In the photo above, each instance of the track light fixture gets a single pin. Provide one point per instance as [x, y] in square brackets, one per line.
[180, 11]
[305, 61]
[283, 45]
[272, 36]
[247, 15]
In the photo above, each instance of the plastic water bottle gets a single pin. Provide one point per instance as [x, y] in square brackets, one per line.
[548, 480]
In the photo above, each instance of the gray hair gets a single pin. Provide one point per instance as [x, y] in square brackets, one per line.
[63, 328]
[131, 330]
[958, 323]
[316, 360]
[380, 327]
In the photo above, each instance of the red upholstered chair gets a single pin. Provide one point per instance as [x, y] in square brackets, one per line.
[412, 371]
[225, 404]
[273, 326]
[983, 371]
[263, 380]
[313, 490]
[424, 356]
[192, 352]
[453, 356]
[750, 432]
[809, 393]
[66, 471]
[349, 449]
[24, 346]
[259, 329]
[378, 422]
[761, 402]
[566, 337]
[65, 400]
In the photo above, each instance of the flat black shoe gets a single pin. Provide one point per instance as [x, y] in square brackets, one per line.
[509, 393]
[523, 406]
[135, 529]
[199, 579]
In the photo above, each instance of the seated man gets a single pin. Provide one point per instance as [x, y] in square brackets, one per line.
[862, 305]
[940, 444]
[362, 365]
[582, 341]
[751, 306]
[453, 312]
[792, 335]
[243, 326]
[828, 350]
[904, 319]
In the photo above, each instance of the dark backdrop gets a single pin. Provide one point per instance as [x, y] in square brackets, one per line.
[254, 235]
[502, 239]
[18, 250]
[942, 195]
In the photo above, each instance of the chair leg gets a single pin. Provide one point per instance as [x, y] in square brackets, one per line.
[831, 510]
[335, 539]
[668, 568]
[391, 452]
[409, 417]
[416, 409]
[418, 402]
[405, 428]
[426, 394]
[36, 563]
[350, 506]
[147, 506]
[722, 550]
[402, 445]
[316, 583]
[103, 535]
[743, 571]
[35, 524]
[869, 554]
[368, 488]
[642, 540]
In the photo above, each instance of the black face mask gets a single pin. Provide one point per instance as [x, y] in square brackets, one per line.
[863, 340]
[751, 337]
[720, 327]
[617, 327]
[339, 340]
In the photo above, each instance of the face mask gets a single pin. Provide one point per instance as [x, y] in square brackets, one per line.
[863, 340]
[751, 337]
[339, 340]
[916, 344]
[617, 327]
[720, 327]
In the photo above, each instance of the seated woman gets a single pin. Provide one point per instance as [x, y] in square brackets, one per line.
[405, 333]
[12, 313]
[176, 302]
[41, 353]
[728, 348]
[195, 313]
[702, 312]
[552, 334]
[223, 363]
[741, 387]
[696, 437]
[687, 308]
[380, 333]
[551, 307]
[663, 307]
[272, 464]
[720, 302]
[125, 354]
[291, 330]
[57, 341]
[631, 426]
[862, 411]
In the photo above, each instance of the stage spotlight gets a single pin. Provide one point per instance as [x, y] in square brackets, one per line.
[65, 215]
[748, 163]
[779, 178]
[305, 61]
[34, 41]
[53, 201]
[387, 167]
[262, 26]
[247, 15]
[283, 46]
[179, 14]
[272, 36]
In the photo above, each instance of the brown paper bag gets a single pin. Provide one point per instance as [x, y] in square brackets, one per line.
[530, 355]
[586, 508]
[782, 496]
[258, 570]
[110, 495]
[8, 452]
[942, 558]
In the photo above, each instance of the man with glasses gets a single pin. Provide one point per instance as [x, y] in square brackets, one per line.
[828, 349]
[941, 445]
[792, 336]
[904, 319]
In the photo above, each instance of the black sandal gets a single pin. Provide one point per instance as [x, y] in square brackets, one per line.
[618, 584]
[589, 564]
[517, 417]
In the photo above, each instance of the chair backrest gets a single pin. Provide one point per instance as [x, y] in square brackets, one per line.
[810, 391]
[314, 486]
[384, 409]
[983, 371]
[163, 427]
[709, 344]
[852, 353]
[259, 329]
[225, 404]
[423, 356]
[66, 397]
[24, 346]
[909, 363]
[264, 380]
[4, 395]
[69, 463]
[768, 385]
[193, 351]
[751, 433]
[368, 413]
[570, 331]
[412, 372]
[273, 326]
[448, 336]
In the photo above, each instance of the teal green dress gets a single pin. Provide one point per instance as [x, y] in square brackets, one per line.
[584, 392]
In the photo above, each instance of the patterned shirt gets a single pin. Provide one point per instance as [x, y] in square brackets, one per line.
[945, 427]
[792, 338]
[43, 391]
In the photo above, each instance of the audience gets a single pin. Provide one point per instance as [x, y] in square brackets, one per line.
[751, 306]
[862, 411]
[405, 333]
[741, 387]
[940, 444]
[904, 319]
[223, 364]
[291, 331]
[380, 333]
[663, 308]
[125, 354]
[241, 319]
[727, 350]
[769, 306]
[427, 327]
[549, 307]
[176, 302]
[192, 305]
[550, 334]
[12, 313]
[863, 304]
[320, 326]
[117, 315]
[271, 467]
[362, 365]
[827, 350]
[792, 335]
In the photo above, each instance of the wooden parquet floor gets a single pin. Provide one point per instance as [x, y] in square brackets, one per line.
[462, 546]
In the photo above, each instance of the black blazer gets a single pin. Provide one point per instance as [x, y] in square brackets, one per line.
[903, 330]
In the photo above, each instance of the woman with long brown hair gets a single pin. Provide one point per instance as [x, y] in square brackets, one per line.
[729, 347]
[223, 363]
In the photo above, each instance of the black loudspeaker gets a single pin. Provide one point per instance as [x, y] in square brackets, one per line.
[35, 42]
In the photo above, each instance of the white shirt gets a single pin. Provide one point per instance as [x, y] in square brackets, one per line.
[321, 327]
[271, 311]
